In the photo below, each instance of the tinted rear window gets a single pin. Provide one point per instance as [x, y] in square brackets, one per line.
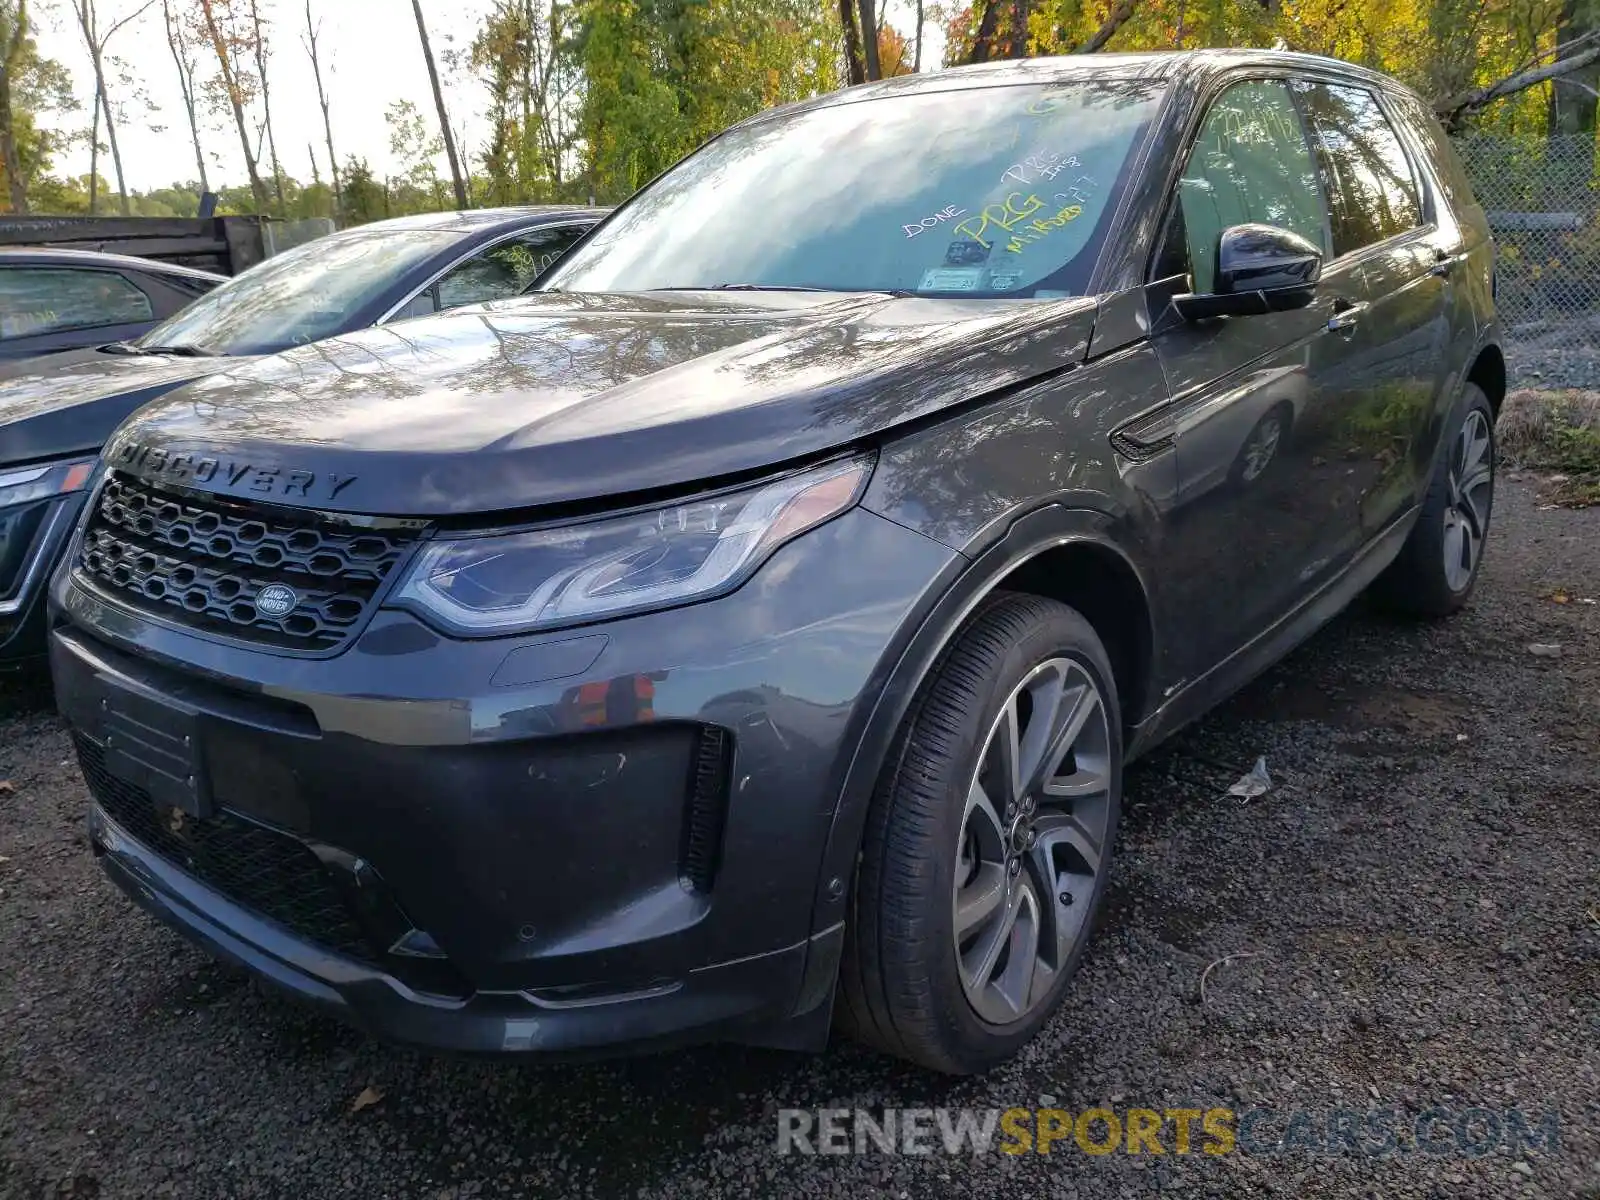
[49, 299]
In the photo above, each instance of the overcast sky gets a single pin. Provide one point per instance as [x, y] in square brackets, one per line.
[372, 57]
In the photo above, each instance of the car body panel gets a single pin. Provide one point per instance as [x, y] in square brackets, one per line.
[556, 399]
[70, 403]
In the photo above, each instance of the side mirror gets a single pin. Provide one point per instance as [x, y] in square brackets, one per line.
[1260, 269]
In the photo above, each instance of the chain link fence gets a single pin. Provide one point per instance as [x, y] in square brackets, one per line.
[1543, 201]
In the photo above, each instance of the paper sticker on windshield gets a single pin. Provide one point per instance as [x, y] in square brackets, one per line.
[965, 254]
[950, 279]
[1002, 281]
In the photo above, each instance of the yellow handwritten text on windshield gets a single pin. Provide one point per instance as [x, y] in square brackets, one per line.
[1004, 216]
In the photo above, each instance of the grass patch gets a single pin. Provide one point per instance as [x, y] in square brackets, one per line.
[1556, 433]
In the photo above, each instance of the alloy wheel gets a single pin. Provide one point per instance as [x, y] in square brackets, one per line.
[1032, 841]
[1471, 484]
[1263, 445]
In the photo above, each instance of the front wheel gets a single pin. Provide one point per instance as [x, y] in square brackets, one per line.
[1437, 568]
[988, 844]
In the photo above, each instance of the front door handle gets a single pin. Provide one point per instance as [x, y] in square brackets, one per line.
[1443, 262]
[1346, 316]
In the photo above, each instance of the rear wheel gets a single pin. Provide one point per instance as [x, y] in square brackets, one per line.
[1436, 569]
[988, 845]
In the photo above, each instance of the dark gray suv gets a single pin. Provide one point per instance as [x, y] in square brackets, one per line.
[747, 633]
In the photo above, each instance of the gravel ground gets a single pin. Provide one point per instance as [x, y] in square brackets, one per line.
[1419, 896]
[1554, 354]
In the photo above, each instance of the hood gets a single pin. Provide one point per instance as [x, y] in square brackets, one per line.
[556, 399]
[69, 403]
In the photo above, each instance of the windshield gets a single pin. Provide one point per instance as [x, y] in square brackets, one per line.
[299, 296]
[986, 192]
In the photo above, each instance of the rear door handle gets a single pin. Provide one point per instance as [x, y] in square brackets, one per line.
[1346, 316]
[1443, 261]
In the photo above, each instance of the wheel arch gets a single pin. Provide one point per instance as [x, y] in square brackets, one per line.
[1488, 371]
[1056, 552]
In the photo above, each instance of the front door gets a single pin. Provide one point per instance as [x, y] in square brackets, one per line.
[1266, 511]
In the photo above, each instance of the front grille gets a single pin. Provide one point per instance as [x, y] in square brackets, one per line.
[268, 872]
[203, 563]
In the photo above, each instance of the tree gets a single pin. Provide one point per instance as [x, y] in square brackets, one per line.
[855, 67]
[183, 58]
[13, 48]
[894, 52]
[524, 57]
[364, 198]
[231, 86]
[313, 33]
[438, 103]
[415, 148]
[96, 41]
[869, 37]
[259, 46]
[662, 76]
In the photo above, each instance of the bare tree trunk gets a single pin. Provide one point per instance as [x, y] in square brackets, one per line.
[438, 103]
[869, 36]
[916, 59]
[1573, 102]
[1018, 45]
[854, 71]
[312, 34]
[266, 101]
[10, 65]
[94, 154]
[87, 22]
[179, 46]
[230, 82]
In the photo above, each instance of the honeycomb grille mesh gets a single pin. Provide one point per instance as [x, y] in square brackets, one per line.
[259, 868]
[203, 563]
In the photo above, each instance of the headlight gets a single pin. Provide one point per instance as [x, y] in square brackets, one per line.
[19, 485]
[580, 572]
[21, 515]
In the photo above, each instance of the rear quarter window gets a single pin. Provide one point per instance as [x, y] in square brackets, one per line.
[35, 300]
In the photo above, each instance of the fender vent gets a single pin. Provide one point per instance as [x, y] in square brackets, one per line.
[708, 808]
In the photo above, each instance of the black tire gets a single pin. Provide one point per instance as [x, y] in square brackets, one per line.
[1418, 582]
[900, 987]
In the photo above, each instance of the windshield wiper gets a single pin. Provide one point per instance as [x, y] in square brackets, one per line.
[898, 293]
[741, 287]
[179, 351]
[135, 348]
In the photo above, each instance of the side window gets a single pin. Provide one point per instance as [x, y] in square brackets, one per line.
[49, 299]
[506, 268]
[1371, 188]
[1449, 171]
[1249, 163]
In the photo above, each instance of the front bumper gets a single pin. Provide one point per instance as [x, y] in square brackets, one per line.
[600, 837]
